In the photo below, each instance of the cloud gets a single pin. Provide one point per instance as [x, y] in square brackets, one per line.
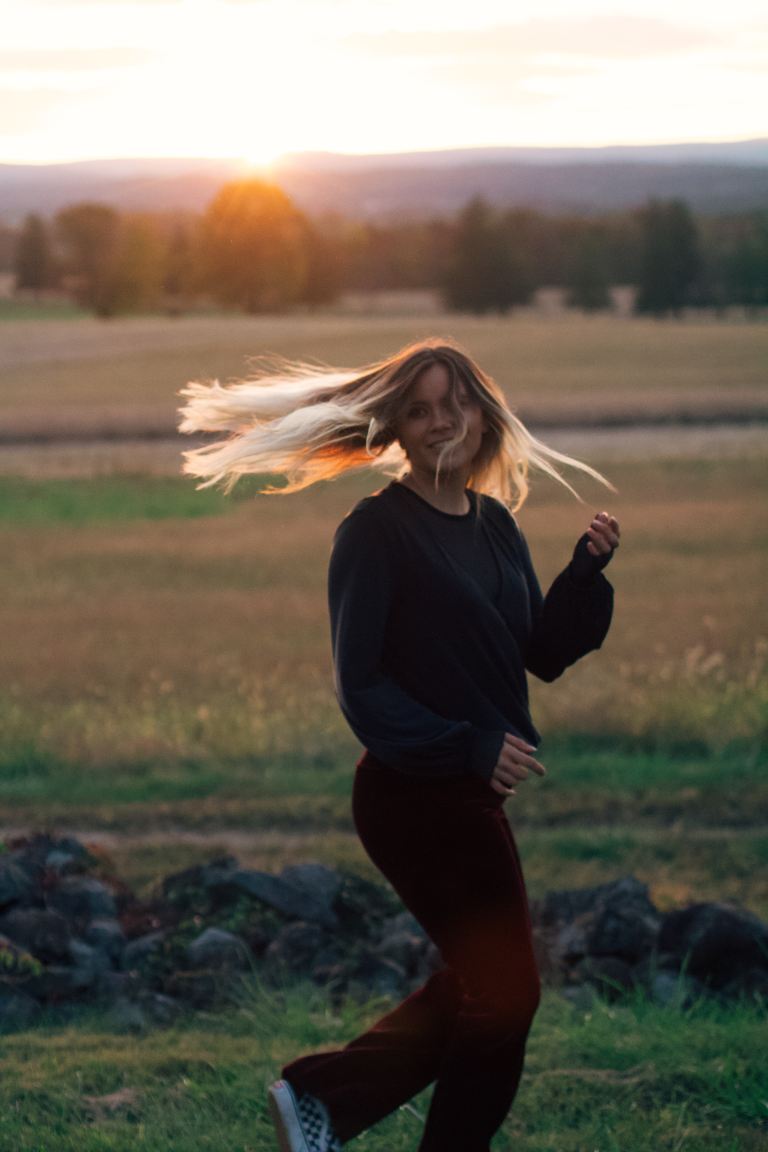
[25, 112]
[107, 3]
[612, 37]
[71, 59]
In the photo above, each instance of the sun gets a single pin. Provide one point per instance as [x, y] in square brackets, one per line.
[261, 159]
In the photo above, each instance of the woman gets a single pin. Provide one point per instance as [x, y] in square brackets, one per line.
[436, 614]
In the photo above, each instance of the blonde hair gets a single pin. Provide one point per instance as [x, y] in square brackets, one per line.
[312, 423]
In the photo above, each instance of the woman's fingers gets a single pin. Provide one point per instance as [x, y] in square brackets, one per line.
[515, 763]
[603, 534]
[515, 753]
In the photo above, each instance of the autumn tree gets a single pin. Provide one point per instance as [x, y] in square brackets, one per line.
[254, 247]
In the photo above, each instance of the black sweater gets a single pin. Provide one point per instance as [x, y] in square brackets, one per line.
[434, 620]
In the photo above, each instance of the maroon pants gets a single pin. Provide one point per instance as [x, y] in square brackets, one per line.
[448, 851]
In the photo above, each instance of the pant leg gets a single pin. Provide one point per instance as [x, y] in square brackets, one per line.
[448, 851]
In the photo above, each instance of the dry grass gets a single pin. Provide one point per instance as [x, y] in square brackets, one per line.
[90, 374]
[192, 633]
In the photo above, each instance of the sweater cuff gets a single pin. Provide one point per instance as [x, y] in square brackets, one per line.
[485, 748]
[596, 581]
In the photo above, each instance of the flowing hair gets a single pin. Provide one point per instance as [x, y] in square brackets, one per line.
[311, 423]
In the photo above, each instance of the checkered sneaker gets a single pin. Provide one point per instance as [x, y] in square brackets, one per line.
[302, 1125]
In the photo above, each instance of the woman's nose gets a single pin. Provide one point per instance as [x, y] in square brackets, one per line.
[441, 420]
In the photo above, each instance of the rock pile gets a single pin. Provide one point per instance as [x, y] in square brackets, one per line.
[70, 930]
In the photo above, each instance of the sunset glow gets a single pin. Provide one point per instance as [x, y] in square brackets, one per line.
[258, 78]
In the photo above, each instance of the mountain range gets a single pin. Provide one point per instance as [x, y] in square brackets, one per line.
[712, 178]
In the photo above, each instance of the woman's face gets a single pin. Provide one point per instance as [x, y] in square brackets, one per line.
[426, 421]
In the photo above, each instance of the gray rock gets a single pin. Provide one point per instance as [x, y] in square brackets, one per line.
[126, 1015]
[138, 950]
[81, 898]
[43, 932]
[17, 1008]
[404, 949]
[61, 862]
[628, 928]
[296, 949]
[673, 989]
[297, 903]
[562, 906]
[319, 884]
[215, 948]
[402, 922]
[610, 920]
[571, 942]
[18, 880]
[60, 981]
[161, 1009]
[111, 984]
[183, 889]
[611, 975]
[715, 941]
[72, 846]
[16, 963]
[88, 959]
[378, 975]
[752, 983]
[106, 933]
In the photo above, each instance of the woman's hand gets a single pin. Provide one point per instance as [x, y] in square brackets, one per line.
[514, 764]
[594, 549]
[603, 535]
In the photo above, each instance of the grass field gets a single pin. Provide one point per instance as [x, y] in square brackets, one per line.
[104, 374]
[166, 690]
[629, 1078]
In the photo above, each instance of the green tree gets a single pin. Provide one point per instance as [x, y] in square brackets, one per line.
[747, 268]
[33, 262]
[254, 246]
[587, 281]
[322, 282]
[89, 234]
[135, 278]
[670, 260]
[489, 269]
[179, 278]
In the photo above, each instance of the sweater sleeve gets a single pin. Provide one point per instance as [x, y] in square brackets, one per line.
[570, 621]
[390, 722]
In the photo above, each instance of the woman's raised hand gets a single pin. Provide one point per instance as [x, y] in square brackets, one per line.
[603, 534]
[594, 549]
[514, 764]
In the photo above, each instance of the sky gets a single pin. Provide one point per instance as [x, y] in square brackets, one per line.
[253, 79]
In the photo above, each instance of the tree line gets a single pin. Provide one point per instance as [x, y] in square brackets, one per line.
[252, 249]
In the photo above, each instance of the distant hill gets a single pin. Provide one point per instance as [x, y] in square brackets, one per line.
[726, 177]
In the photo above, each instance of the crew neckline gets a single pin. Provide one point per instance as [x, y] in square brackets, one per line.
[438, 511]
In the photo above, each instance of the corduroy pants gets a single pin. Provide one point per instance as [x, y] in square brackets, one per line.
[447, 849]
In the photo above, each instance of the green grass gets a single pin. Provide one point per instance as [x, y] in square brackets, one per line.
[628, 1078]
[41, 310]
[112, 499]
[166, 692]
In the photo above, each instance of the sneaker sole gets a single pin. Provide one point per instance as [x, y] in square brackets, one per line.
[284, 1110]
